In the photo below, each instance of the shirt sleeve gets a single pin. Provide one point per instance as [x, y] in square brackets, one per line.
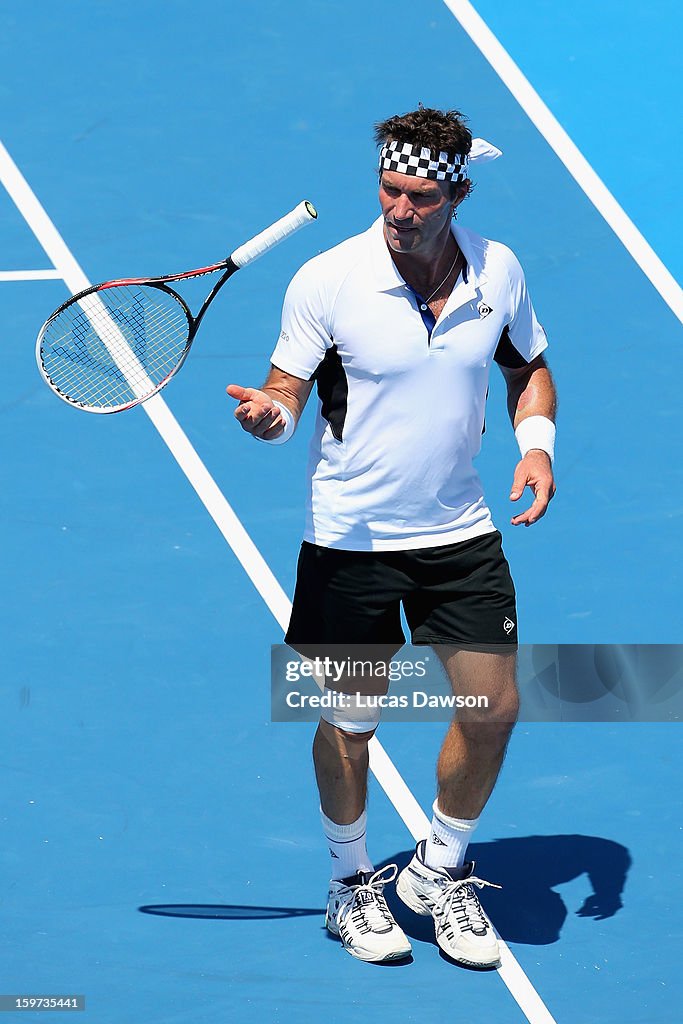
[304, 335]
[523, 338]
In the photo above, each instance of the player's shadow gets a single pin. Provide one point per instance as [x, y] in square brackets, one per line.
[526, 909]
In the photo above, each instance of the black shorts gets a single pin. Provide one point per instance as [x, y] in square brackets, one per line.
[460, 594]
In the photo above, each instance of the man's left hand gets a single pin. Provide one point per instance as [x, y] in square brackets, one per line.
[535, 471]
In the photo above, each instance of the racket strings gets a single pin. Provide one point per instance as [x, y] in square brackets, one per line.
[115, 346]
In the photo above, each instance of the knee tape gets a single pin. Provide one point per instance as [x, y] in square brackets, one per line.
[353, 713]
[348, 729]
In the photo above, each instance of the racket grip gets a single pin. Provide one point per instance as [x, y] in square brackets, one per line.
[304, 213]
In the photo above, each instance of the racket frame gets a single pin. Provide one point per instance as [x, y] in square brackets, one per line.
[245, 254]
[193, 322]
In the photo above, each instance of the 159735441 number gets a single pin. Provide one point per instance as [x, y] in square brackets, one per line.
[35, 1002]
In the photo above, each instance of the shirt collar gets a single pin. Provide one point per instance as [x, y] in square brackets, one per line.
[476, 272]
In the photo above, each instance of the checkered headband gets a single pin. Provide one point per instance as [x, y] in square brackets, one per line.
[409, 158]
[405, 158]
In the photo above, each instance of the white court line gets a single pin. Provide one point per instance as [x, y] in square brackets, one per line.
[157, 410]
[30, 275]
[570, 155]
[246, 552]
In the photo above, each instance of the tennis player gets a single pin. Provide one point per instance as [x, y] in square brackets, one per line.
[398, 328]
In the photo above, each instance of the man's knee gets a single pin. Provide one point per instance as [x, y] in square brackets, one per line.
[494, 723]
[354, 712]
[350, 745]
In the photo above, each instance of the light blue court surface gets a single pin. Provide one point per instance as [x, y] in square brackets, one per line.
[139, 765]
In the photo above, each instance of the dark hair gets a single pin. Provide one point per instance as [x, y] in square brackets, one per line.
[438, 130]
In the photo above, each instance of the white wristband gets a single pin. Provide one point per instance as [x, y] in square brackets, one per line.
[290, 424]
[536, 432]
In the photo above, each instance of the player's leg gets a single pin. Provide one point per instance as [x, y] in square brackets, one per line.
[467, 612]
[340, 596]
[341, 771]
[356, 908]
[473, 750]
[340, 758]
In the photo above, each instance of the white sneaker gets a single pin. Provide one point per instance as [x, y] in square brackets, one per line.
[463, 930]
[358, 913]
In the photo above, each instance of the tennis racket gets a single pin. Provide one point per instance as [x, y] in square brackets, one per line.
[116, 344]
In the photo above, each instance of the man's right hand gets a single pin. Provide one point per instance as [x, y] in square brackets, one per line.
[257, 412]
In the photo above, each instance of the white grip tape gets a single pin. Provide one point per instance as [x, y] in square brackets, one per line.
[302, 214]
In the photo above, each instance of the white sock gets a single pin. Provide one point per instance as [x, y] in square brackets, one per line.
[347, 846]
[448, 840]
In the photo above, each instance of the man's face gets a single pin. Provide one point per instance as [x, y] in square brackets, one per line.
[416, 211]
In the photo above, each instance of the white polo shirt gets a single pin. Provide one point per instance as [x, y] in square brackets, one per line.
[401, 410]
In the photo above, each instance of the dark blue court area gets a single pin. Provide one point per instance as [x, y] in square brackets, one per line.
[161, 844]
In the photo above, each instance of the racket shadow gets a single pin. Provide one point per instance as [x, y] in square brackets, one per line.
[246, 912]
[228, 911]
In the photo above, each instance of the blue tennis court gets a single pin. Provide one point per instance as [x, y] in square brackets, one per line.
[161, 850]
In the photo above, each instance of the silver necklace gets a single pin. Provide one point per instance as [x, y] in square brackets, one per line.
[426, 302]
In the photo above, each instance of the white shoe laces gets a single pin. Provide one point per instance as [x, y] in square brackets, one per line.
[366, 903]
[460, 897]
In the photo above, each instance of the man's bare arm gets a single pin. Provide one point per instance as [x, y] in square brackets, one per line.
[531, 392]
[257, 412]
